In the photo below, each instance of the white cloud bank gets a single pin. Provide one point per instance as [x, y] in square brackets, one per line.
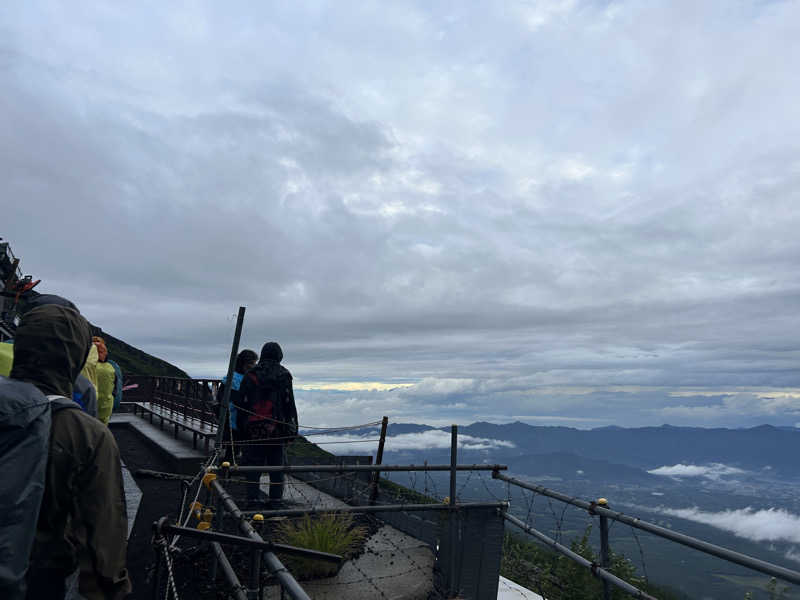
[710, 471]
[765, 525]
[423, 440]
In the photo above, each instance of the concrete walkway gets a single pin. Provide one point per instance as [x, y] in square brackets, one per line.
[394, 566]
[133, 496]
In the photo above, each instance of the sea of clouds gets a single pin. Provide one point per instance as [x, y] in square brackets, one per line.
[424, 440]
[763, 525]
[712, 471]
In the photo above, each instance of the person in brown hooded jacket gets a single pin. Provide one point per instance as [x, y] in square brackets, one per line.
[82, 523]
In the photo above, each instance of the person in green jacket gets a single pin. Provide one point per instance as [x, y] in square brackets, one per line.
[83, 391]
[6, 358]
[106, 377]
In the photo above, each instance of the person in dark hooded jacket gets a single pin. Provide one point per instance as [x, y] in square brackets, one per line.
[235, 429]
[268, 401]
[82, 524]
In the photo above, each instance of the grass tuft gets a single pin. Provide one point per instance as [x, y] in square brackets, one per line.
[334, 533]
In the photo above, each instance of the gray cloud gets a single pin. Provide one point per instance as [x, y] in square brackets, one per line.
[771, 524]
[424, 440]
[487, 201]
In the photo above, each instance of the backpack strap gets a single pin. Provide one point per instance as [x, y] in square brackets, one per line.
[58, 402]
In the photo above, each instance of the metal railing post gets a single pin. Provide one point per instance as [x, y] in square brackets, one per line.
[452, 514]
[605, 550]
[236, 588]
[378, 460]
[223, 407]
[254, 589]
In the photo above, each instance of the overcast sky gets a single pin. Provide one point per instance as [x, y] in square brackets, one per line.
[580, 213]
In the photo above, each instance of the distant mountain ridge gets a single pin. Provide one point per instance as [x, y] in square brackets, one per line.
[643, 448]
[575, 467]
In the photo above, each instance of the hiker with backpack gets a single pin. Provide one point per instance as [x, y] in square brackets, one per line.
[106, 381]
[235, 428]
[63, 514]
[267, 399]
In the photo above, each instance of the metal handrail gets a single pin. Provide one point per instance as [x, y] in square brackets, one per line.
[596, 570]
[719, 551]
[353, 468]
[274, 566]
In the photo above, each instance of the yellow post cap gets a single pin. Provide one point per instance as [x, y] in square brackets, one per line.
[208, 478]
[203, 525]
[258, 517]
[226, 464]
[602, 502]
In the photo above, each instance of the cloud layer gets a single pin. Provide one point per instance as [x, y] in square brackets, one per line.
[425, 440]
[765, 525]
[497, 203]
[712, 471]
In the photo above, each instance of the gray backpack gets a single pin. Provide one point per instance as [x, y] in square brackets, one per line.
[25, 418]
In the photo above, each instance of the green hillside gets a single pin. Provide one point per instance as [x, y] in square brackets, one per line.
[133, 361]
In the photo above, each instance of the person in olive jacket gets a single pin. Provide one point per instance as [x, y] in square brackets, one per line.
[82, 525]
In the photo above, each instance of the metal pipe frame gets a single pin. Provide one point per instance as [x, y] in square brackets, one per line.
[680, 538]
[237, 589]
[299, 512]
[597, 571]
[163, 527]
[373, 493]
[355, 468]
[275, 567]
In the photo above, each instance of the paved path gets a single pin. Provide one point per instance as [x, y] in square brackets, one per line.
[133, 496]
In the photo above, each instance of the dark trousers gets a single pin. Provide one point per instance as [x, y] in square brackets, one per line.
[230, 449]
[268, 453]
